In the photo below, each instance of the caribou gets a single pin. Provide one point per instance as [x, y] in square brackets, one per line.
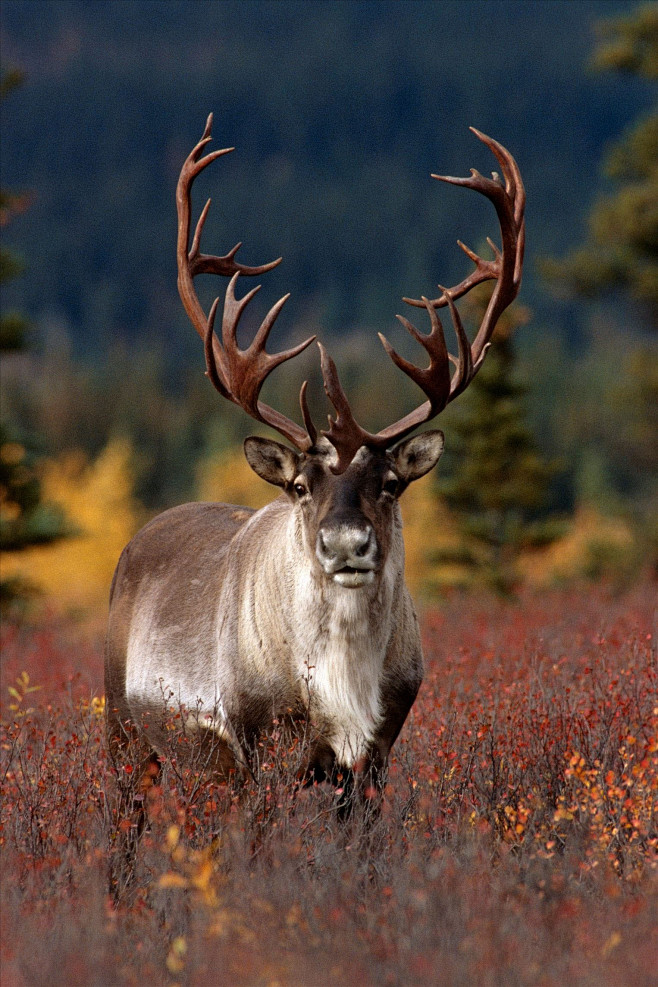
[243, 618]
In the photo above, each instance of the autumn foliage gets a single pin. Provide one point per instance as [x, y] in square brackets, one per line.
[516, 844]
[75, 573]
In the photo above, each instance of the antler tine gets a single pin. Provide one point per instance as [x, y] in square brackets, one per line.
[306, 415]
[233, 309]
[509, 201]
[464, 372]
[237, 374]
[207, 263]
[214, 355]
[240, 374]
[344, 432]
[435, 379]
[193, 262]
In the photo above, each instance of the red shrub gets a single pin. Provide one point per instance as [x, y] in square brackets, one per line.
[517, 842]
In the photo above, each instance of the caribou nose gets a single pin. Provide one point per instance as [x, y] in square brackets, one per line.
[342, 546]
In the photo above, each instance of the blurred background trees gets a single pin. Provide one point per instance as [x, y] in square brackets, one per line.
[495, 482]
[13, 325]
[26, 517]
[554, 443]
[619, 260]
[621, 250]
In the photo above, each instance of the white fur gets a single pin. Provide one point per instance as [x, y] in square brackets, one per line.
[150, 688]
[340, 657]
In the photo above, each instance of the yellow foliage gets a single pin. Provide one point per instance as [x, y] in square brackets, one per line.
[75, 573]
[428, 530]
[228, 478]
[418, 509]
[595, 546]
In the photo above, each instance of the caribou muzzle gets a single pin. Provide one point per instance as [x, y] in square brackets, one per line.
[348, 553]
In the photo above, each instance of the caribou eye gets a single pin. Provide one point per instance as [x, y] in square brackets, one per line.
[390, 486]
[300, 489]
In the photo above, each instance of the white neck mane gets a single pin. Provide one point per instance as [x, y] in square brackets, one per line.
[341, 656]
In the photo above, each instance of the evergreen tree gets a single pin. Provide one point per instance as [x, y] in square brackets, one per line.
[495, 480]
[621, 251]
[621, 254]
[13, 326]
[24, 518]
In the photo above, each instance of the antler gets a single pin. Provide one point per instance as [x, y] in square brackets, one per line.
[506, 267]
[440, 387]
[237, 374]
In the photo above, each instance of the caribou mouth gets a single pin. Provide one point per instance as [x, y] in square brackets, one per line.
[352, 578]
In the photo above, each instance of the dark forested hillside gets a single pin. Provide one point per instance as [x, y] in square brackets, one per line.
[339, 112]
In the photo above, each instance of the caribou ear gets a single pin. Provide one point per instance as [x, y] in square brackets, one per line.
[418, 455]
[272, 461]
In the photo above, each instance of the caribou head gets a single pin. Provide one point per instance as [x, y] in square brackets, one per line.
[347, 518]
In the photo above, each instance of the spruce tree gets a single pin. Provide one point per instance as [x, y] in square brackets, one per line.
[13, 325]
[495, 481]
[25, 519]
[620, 252]
[620, 255]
